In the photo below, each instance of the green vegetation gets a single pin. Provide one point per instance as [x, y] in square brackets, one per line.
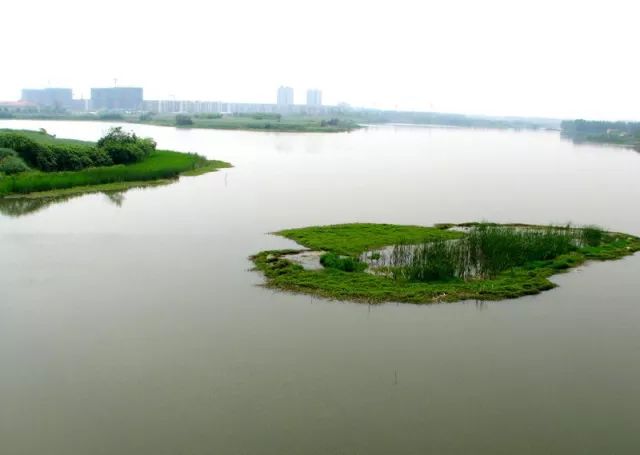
[344, 263]
[487, 250]
[11, 163]
[40, 152]
[354, 239]
[184, 120]
[62, 164]
[445, 119]
[435, 264]
[620, 133]
[248, 121]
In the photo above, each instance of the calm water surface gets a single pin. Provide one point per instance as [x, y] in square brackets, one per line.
[132, 324]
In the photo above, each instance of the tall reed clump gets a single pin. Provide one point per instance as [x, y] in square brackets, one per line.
[431, 261]
[486, 251]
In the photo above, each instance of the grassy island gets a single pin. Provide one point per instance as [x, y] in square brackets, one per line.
[615, 133]
[37, 164]
[390, 263]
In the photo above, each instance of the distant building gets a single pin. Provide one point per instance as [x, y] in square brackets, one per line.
[17, 106]
[219, 107]
[57, 98]
[285, 96]
[116, 98]
[314, 97]
[80, 105]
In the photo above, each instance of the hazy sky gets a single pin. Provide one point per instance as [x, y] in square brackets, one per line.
[530, 57]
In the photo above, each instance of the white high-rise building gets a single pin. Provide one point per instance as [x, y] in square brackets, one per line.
[314, 97]
[285, 96]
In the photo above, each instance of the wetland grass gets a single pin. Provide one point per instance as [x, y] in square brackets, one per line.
[488, 250]
[434, 264]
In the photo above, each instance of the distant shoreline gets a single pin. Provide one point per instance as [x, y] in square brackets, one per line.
[244, 123]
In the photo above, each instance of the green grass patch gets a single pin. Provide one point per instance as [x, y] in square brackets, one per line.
[530, 277]
[356, 238]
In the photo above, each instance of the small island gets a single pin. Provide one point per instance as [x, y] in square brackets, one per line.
[625, 134]
[37, 164]
[378, 263]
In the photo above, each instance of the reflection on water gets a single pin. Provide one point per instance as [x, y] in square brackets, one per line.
[20, 206]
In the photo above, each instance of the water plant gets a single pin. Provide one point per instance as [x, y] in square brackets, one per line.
[485, 251]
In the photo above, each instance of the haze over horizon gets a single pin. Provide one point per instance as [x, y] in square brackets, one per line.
[569, 60]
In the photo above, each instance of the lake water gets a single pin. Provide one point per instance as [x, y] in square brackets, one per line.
[133, 324]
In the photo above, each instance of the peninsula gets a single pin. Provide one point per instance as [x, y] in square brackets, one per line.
[37, 164]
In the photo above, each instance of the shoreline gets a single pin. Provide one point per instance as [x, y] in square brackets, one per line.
[274, 127]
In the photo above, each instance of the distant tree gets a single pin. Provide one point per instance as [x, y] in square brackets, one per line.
[183, 120]
[110, 115]
[209, 115]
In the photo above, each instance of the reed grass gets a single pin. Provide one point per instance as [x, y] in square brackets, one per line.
[487, 250]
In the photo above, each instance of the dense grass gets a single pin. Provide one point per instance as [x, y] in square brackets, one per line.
[529, 278]
[162, 164]
[488, 250]
[356, 238]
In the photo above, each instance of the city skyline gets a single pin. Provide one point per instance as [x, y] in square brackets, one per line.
[533, 59]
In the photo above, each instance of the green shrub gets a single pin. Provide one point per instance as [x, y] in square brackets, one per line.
[46, 160]
[26, 148]
[183, 120]
[100, 157]
[13, 165]
[125, 147]
[344, 263]
[5, 152]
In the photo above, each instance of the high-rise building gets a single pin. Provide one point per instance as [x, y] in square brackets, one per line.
[314, 97]
[285, 96]
[116, 98]
[58, 98]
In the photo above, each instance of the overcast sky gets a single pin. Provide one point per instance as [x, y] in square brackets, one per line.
[535, 57]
